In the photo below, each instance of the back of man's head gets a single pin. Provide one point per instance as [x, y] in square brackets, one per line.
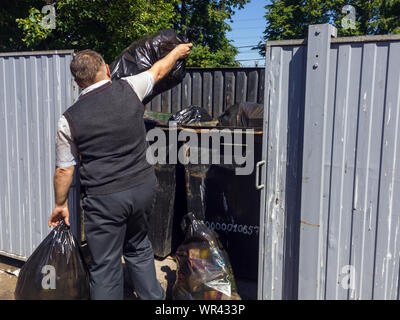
[85, 65]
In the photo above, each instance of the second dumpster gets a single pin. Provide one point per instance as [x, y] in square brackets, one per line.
[228, 202]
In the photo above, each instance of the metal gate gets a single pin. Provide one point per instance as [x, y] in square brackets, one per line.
[330, 213]
[35, 89]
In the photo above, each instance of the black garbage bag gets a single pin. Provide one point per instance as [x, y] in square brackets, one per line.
[203, 268]
[142, 54]
[192, 114]
[243, 114]
[55, 270]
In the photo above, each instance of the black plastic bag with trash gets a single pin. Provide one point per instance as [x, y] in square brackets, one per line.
[142, 54]
[55, 270]
[203, 268]
[243, 115]
[189, 115]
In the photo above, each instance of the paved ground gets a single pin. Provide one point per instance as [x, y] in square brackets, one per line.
[166, 274]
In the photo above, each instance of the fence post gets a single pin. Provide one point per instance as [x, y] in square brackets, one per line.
[313, 216]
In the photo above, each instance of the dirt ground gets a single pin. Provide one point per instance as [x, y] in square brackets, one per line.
[166, 274]
[7, 286]
[8, 280]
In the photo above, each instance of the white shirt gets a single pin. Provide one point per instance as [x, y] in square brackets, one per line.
[66, 149]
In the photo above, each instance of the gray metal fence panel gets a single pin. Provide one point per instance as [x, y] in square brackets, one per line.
[35, 88]
[214, 89]
[341, 240]
[316, 152]
[279, 227]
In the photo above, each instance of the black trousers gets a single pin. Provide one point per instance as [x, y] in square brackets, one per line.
[116, 224]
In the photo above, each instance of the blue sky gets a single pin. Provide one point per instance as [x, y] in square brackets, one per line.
[247, 30]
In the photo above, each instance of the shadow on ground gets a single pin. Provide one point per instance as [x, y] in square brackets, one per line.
[165, 269]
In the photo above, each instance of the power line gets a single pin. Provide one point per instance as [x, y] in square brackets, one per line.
[250, 51]
[251, 59]
[258, 19]
[254, 54]
[248, 46]
[253, 37]
[241, 28]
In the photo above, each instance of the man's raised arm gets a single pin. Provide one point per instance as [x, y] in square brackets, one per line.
[163, 66]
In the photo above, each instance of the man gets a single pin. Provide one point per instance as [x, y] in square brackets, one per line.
[105, 128]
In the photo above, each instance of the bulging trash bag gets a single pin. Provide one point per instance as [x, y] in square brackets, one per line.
[243, 114]
[203, 268]
[192, 114]
[55, 270]
[142, 54]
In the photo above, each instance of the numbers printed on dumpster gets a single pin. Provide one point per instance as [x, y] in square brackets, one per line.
[232, 227]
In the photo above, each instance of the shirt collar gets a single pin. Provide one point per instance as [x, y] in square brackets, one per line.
[93, 86]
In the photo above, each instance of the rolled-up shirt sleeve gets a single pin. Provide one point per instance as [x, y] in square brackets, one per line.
[141, 83]
[66, 150]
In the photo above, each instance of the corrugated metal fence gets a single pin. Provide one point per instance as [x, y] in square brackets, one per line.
[213, 89]
[35, 88]
[331, 216]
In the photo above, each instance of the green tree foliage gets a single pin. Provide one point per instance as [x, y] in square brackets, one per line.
[10, 35]
[32, 28]
[389, 20]
[106, 26]
[203, 57]
[109, 26]
[212, 47]
[289, 19]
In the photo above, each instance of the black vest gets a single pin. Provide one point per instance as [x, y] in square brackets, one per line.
[108, 128]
